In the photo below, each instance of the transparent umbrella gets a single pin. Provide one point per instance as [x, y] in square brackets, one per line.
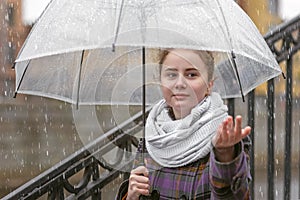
[105, 52]
[91, 51]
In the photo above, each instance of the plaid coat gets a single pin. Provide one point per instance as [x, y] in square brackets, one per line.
[204, 179]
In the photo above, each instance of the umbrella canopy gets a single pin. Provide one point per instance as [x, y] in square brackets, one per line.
[91, 51]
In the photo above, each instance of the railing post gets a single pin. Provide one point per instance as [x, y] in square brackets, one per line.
[251, 120]
[288, 129]
[270, 102]
[96, 175]
[230, 104]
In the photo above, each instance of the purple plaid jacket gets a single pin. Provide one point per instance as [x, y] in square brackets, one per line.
[204, 179]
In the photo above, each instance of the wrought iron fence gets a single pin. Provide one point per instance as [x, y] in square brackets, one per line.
[284, 41]
[97, 173]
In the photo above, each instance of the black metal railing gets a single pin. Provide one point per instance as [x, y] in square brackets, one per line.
[284, 41]
[97, 172]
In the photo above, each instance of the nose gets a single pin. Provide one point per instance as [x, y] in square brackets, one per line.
[180, 82]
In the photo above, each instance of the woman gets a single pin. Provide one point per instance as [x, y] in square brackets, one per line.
[195, 150]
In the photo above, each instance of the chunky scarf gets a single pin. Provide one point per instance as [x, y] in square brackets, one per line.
[175, 143]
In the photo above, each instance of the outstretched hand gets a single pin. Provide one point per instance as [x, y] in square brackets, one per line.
[229, 134]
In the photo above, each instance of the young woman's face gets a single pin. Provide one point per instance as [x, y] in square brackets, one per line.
[184, 81]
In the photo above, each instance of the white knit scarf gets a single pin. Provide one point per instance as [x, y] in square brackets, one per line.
[175, 143]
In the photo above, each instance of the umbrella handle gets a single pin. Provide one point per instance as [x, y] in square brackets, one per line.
[154, 195]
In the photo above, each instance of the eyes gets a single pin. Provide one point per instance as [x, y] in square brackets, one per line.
[173, 74]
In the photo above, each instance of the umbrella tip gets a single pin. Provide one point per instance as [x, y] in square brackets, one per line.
[113, 47]
[283, 74]
[15, 95]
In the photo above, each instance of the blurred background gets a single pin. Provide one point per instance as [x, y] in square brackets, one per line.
[36, 132]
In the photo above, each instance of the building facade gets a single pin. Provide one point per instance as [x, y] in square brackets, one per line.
[12, 35]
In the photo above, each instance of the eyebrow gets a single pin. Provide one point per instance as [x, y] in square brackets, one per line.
[170, 69]
[175, 69]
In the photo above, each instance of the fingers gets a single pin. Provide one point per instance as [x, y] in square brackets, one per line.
[221, 134]
[238, 127]
[230, 125]
[230, 133]
[141, 170]
[228, 129]
[138, 182]
[246, 131]
[238, 124]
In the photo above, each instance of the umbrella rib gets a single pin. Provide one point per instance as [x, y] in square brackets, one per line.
[33, 28]
[79, 79]
[117, 27]
[232, 52]
[226, 25]
[15, 95]
[237, 74]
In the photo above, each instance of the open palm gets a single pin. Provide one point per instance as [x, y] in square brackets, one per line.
[230, 133]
